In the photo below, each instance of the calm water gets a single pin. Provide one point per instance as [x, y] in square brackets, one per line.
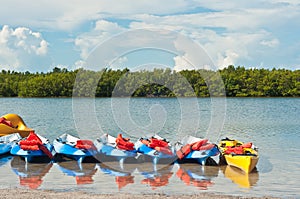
[273, 124]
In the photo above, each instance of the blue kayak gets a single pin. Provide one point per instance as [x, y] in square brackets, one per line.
[156, 154]
[107, 148]
[73, 147]
[193, 149]
[7, 141]
[34, 148]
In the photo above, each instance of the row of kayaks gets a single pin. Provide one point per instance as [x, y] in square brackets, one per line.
[156, 149]
[108, 148]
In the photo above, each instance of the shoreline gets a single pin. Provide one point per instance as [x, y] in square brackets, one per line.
[28, 194]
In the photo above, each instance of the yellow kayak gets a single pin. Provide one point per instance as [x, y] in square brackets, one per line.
[239, 155]
[17, 125]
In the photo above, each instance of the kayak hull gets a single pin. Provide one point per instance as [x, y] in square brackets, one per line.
[18, 123]
[30, 155]
[244, 162]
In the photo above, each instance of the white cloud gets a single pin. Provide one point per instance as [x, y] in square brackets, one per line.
[181, 63]
[68, 15]
[103, 30]
[229, 58]
[270, 43]
[223, 48]
[79, 64]
[16, 45]
[239, 32]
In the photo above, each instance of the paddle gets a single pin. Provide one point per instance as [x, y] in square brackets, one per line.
[46, 151]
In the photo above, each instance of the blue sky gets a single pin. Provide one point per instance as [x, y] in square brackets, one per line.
[41, 35]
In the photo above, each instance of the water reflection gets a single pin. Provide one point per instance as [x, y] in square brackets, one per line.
[240, 178]
[155, 178]
[194, 175]
[121, 172]
[30, 174]
[197, 175]
[83, 172]
[4, 159]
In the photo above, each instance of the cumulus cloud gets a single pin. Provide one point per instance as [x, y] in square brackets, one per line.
[19, 43]
[229, 36]
[235, 32]
[181, 63]
[66, 15]
[229, 58]
[102, 31]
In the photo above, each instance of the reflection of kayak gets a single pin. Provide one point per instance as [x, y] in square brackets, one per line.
[30, 175]
[156, 149]
[4, 159]
[155, 178]
[7, 141]
[75, 148]
[241, 155]
[192, 149]
[33, 148]
[13, 123]
[112, 149]
[122, 173]
[192, 174]
[240, 178]
[83, 173]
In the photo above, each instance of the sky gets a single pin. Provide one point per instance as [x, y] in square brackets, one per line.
[38, 35]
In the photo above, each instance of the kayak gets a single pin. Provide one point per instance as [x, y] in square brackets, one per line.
[30, 175]
[193, 149]
[33, 148]
[156, 149]
[7, 141]
[82, 173]
[74, 148]
[13, 123]
[111, 148]
[241, 155]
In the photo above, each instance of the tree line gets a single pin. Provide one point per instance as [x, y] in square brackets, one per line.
[231, 81]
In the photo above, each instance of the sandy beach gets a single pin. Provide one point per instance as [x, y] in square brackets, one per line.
[26, 194]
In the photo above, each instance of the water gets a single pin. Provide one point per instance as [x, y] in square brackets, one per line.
[273, 124]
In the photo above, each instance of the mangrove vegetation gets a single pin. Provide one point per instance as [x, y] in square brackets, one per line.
[231, 81]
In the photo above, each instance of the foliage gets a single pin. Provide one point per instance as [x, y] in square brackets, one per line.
[231, 81]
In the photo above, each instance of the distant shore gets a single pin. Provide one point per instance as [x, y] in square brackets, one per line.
[230, 82]
[26, 194]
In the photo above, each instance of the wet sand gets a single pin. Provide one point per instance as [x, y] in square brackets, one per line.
[26, 194]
